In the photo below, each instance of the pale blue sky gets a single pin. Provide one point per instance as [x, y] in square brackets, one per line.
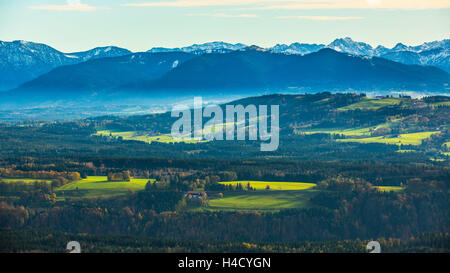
[139, 25]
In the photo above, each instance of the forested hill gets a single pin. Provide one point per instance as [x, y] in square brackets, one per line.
[320, 111]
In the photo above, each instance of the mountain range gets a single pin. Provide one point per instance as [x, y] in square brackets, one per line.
[260, 69]
[115, 75]
[435, 53]
[250, 71]
[22, 61]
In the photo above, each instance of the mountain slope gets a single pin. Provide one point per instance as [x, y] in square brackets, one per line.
[103, 74]
[21, 61]
[324, 70]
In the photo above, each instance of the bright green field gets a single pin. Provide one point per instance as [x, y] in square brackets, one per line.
[406, 139]
[284, 186]
[346, 132]
[130, 135]
[390, 188]
[371, 104]
[98, 186]
[282, 195]
[26, 180]
[261, 200]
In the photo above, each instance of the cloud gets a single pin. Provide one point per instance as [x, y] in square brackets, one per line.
[71, 5]
[224, 15]
[302, 4]
[323, 18]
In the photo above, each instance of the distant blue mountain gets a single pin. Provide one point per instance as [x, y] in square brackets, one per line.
[327, 69]
[21, 61]
[435, 53]
[103, 74]
[199, 49]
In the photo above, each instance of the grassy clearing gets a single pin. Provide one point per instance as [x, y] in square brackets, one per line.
[131, 135]
[283, 186]
[405, 139]
[390, 188]
[345, 132]
[282, 195]
[371, 104]
[98, 186]
[25, 180]
[261, 200]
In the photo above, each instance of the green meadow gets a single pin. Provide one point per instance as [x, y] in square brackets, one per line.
[99, 186]
[371, 104]
[131, 135]
[282, 195]
[261, 200]
[346, 132]
[405, 139]
[389, 188]
[25, 180]
[282, 186]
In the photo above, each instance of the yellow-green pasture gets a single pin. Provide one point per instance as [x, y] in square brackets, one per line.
[371, 104]
[405, 139]
[282, 195]
[261, 200]
[282, 186]
[346, 132]
[99, 186]
[131, 135]
[389, 188]
[25, 180]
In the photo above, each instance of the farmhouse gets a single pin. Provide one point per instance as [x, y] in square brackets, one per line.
[196, 194]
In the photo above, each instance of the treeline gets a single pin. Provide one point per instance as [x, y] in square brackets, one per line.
[14, 173]
[337, 215]
[26, 240]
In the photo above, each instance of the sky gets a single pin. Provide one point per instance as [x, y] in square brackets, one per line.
[138, 25]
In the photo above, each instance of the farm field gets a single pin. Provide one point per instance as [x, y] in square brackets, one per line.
[390, 188]
[25, 180]
[337, 131]
[371, 104]
[131, 135]
[291, 195]
[261, 200]
[405, 139]
[262, 185]
[98, 186]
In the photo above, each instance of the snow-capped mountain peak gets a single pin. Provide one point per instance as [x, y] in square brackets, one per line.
[199, 49]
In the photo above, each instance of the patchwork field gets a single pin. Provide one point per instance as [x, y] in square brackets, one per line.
[98, 186]
[405, 139]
